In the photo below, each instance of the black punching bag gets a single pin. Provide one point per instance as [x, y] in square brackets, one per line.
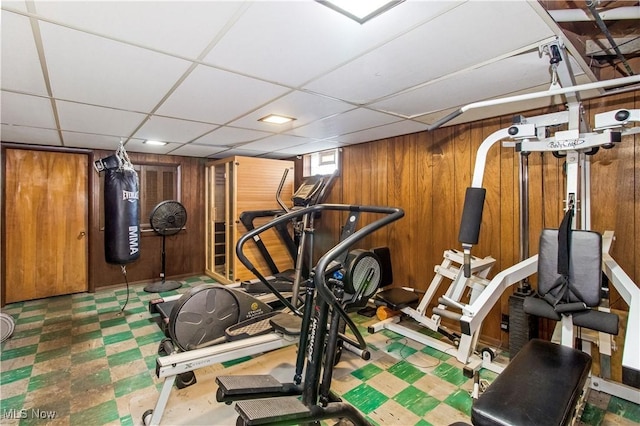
[121, 216]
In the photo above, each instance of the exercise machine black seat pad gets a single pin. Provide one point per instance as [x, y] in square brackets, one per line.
[397, 298]
[540, 386]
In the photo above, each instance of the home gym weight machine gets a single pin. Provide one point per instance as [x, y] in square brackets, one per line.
[264, 400]
[403, 299]
[577, 143]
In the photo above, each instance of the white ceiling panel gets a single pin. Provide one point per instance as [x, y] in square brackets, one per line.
[92, 119]
[138, 145]
[500, 82]
[304, 107]
[291, 42]
[96, 70]
[20, 65]
[29, 135]
[26, 110]
[398, 128]
[228, 136]
[216, 96]
[348, 122]
[303, 149]
[206, 71]
[424, 54]
[182, 28]
[87, 140]
[191, 150]
[172, 130]
[16, 5]
[239, 152]
[275, 143]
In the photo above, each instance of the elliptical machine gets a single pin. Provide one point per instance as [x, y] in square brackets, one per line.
[210, 314]
[334, 281]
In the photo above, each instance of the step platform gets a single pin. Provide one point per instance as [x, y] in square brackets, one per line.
[271, 410]
[237, 388]
[256, 326]
[257, 287]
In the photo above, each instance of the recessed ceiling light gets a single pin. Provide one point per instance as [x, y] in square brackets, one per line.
[360, 10]
[276, 119]
[154, 142]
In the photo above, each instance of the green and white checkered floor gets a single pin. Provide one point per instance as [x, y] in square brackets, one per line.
[77, 360]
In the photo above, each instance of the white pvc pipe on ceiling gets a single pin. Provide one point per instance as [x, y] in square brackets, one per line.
[577, 15]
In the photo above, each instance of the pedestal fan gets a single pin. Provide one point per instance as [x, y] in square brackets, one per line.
[167, 218]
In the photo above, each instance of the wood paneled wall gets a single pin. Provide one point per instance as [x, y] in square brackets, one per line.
[427, 174]
[184, 251]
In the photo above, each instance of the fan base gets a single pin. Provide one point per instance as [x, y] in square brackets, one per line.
[162, 286]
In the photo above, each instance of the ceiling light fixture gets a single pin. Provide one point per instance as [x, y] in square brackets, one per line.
[360, 10]
[150, 142]
[276, 119]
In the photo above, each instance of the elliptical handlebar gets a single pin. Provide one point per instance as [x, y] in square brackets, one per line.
[279, 191]
[392, 214]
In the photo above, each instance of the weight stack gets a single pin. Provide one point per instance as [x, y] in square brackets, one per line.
[522, 327]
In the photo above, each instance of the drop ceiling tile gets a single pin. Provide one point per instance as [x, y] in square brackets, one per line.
[239, 152]
[18, 5]
[313, 146]
[172, 130]
[92, 119]
[229, 136]
[95, 70]
[500, 79]
[92, 141]
[29, 135]
[423, 54]
[26, 110]
[216, 96]
[20, 64]
[348, 122]
[191, 150]
[291, 42]
[404, 127]
[274, 143]
[138, 145]
[304, 107]
[183, 28]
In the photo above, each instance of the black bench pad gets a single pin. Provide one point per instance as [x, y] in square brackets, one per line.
[540, 386]
[397, 298]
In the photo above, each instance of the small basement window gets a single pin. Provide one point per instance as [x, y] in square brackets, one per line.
[321, 163]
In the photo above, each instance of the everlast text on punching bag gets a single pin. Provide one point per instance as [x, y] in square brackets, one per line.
[121, 209]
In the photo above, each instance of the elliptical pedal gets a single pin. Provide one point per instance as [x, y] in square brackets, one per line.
[231, 385]
[256, 326]
[271, 410]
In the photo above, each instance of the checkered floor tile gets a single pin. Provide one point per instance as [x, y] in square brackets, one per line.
[79, 360]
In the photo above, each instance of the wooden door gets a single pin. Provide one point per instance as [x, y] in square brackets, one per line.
[46, 221]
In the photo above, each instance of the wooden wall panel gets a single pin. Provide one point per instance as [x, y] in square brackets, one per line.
[184, 251]
[427, 173]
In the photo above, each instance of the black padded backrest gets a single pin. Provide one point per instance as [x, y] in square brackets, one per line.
[384, 254]
[585, 277]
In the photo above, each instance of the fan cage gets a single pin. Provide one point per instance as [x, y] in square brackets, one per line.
[168, 217]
